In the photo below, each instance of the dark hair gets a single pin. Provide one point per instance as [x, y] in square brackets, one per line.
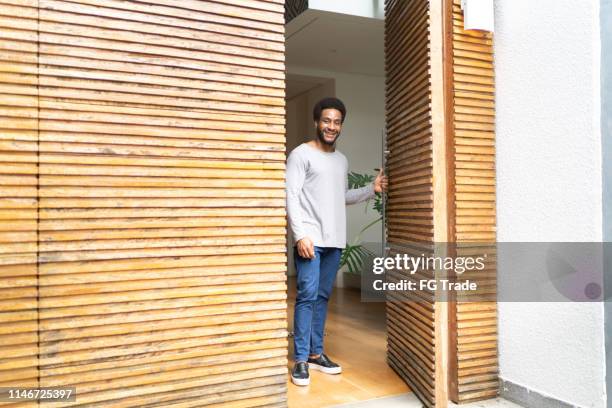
[328, 103]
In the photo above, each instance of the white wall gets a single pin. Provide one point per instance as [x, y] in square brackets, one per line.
[295, 130]
[606, 136]
[299, 113]
[547, 58]
[360, 141]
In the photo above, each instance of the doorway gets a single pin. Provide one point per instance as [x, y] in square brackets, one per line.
[332, 54]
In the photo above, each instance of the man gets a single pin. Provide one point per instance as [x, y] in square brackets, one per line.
[317, 194]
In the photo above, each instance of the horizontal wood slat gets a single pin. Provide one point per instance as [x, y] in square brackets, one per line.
[19, 339]
[142, 201]
[294, 8]
[186, 135]
[474, 340]
[411, 319]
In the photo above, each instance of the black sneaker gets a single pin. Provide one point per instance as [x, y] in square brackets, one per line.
[324, 364]
[299, 374]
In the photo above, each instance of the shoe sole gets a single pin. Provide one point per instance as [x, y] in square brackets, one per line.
[302, 382]
[326, 370]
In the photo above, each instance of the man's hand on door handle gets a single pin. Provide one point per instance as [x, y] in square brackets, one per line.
[381, 182]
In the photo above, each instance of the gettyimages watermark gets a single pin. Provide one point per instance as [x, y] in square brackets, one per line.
[490, 272]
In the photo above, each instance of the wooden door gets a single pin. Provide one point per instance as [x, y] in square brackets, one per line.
[440, 134]
[416, 210]
[143, 181]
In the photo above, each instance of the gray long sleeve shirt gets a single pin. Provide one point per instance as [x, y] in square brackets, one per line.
[317, 194]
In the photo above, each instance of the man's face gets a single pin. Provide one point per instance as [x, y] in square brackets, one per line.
[329, 126]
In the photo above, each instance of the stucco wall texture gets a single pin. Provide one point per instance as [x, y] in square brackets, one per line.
[549, 184]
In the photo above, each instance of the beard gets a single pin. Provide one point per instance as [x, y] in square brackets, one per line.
[321, 136]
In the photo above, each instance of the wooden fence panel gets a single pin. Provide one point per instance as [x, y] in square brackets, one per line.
[18, 195]
[162, 221]
[474, 357]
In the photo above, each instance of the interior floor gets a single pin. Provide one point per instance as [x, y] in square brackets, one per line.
[355, 339]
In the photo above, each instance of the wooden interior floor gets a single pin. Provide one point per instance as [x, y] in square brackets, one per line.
[356, 340]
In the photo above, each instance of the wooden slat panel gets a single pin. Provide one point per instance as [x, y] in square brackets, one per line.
[413, 318]
[474, 367]
[160, 129]
[19, 197]
[294, 8]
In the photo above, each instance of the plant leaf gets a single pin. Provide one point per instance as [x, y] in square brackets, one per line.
[356, 180]
[353, 256]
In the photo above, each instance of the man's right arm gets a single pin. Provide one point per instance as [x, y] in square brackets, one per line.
[296, 175]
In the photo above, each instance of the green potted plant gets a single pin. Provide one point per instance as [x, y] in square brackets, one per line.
[355, 253]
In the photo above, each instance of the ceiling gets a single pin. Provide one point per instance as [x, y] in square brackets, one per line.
[335, 42]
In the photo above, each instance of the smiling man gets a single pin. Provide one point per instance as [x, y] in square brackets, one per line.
[317, 194]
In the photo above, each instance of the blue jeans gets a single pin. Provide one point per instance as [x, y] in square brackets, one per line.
[315, 279]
